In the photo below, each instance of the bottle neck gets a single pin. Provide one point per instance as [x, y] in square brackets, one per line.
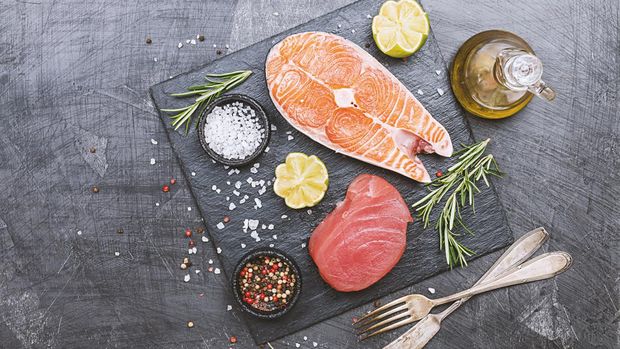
[518, 70]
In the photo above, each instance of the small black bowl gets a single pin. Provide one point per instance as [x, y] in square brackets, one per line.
[237, 290]
[227, 99]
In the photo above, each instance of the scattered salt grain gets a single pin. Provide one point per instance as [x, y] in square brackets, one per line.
[369, 16]
[315, 344]
[238, 184]
[227, 46]
[214, 187]
[180, 45]
[154, 59]
[220, 225]
[187, 41]
[236, 192]
[270, 227]
[242, 245]
[231, 172]
[353, 31]
[219, 250]
[290, 138]
[253, 170]
[189, 208]
[431, 290]
[303, 245]
[197, 271]
[157, 204]
[237, 171]
[154, 142]
[214, 45]
[259, 203]
[440, 91]
[284, 216]
[339, 25]
[79, 232]
[233, 130]
[276, 14]
[252, 224]
[254, 235]
[274, 128]
[438, 72]
[309, 211]
[271, 245]
[232, 206]
[229, 307]
[193, 42]
[210, 261]
[249, 180]
[275, 237]
[297, 345]
[186, 278]
[264, 226]
[117, 253]
[228, 198]
[193, 174]
[262, 190]
[420, 92]
[242, 201]
[152, 161]
[217, 271]
[267, 150]
[227, 182]
[205, 239]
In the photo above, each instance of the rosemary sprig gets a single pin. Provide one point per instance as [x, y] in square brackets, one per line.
[458, 184]
[216, 85]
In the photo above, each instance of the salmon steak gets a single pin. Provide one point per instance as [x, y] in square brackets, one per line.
[340, 96]
[363, 238]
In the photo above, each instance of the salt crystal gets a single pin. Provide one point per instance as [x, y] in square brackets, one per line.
[227, 46]
[210, 261]
[274, 236]
[157, 204]
[271, 245]
[274, 128]
[264, 226]
[289, 132]
[229, 307]
[79, 232]
[242, 201]
[284, 216]
[237, 171]
[303, 245]
[353, 31]
[276, 14]
[290, 138]
[155, 59]
[440, 91]
[297, 345]
[262, 190]
[152, 161]
[117, 253]
[339, 25]
[369, 16]
[254, 235]
[242, 245]
[259, 203]
[305, 338]
[193, 174]
[218, 190]
[228, 198]
[438, 72]
[214, 187]
[315, 344]
[205, 239]
[214, 45]
[270, 227]
[154, 142]
[267, 150]
[189, 208]
[219, 250]
[227, 182]
[431, 290]
[249, 180]
[246, 197]
[231, 172]
[253, 224]
[420, 92]
[180, 45]
[187, 41]
[186, 278]
[226, 167]
[236, 193]
[238, 184]
[193, 42]
[220, 225]
[232, 206]
[217, 271]
[309, 211]
[197, 271]
[253, 170]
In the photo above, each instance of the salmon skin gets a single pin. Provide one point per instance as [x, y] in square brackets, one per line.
[340, 96]
[363, 238]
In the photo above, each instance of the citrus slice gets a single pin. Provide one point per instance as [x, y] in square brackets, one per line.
[301, 180]
[401, 28]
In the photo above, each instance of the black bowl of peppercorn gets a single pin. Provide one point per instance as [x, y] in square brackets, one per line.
[266, 283]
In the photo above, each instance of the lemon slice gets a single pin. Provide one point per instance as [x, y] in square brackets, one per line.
[401, 28]
[302, 180]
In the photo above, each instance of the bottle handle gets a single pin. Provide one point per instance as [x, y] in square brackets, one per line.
[541, 89]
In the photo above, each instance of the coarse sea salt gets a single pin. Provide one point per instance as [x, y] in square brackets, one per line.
[233, 130]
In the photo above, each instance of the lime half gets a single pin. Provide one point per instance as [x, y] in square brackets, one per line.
[401, 28]
[301, 180]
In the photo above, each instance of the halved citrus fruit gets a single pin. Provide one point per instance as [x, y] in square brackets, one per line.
[301, 180]
[401, 28]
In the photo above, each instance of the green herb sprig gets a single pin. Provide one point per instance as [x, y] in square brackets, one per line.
[458, 184]
[215, 86]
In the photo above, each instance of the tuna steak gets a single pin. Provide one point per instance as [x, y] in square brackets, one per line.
[337, 94]
[362, 239]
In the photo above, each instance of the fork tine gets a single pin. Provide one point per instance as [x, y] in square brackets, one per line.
[385, 321]
[388, 328]
[381, 316]
[381, 309]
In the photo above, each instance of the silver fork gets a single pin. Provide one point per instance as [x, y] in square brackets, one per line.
[414, 307]
[423, 331]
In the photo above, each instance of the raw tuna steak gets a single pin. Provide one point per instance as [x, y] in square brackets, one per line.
[362, 239]
[337, 94]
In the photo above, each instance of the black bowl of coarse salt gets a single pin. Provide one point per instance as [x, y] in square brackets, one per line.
[234, 130]
[266, 283]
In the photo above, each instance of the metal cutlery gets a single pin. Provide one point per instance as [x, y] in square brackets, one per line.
[423, 331]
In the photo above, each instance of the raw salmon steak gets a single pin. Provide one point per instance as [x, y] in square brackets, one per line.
[340, 96]
[363, 238]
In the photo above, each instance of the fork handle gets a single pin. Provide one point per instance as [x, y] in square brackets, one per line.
[542, 267]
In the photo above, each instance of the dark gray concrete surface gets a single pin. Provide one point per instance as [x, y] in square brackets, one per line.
[74, 75]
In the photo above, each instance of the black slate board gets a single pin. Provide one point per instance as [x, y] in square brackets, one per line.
[318, 301]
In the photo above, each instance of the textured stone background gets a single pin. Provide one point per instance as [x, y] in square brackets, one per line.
[74, 75]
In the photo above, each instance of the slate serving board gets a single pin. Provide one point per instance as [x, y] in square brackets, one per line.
[318, 301]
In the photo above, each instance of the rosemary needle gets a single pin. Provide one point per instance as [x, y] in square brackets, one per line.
[216, 85]
[459, 187]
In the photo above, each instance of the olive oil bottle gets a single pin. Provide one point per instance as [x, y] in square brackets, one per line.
[495, 74]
